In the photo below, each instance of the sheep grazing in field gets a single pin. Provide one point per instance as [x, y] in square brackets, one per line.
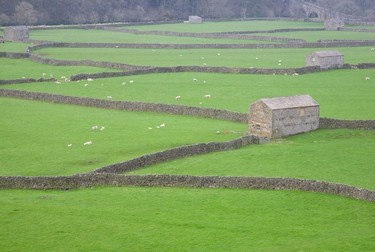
[295, 74]
[109, 97]
[90, 79]
[86, 85]
[218, 54]
[131, 81]
[57, 82]
[87, 143]
[162, 125]
[178, 97]
[367, 78]
[70, 145]
[124, 83]
[95, 127]
[195, 79]
[102, 128]
[207, 96]
[372, 49]
[44, 74]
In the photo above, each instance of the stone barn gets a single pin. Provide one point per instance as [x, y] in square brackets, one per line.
[16, 33]
[325, 59]
[283, 116]
[333, 24]
[195, 20]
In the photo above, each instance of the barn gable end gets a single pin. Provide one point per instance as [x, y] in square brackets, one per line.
[283, 116]
[325, 59]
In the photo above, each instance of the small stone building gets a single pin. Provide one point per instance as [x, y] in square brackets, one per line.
[283, 116]
[16, 34]
[195, 20]
[333, 24]
[325, 59]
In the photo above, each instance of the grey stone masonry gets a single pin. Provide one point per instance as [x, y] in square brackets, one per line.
[16, 34]
[325, 59]
[195, 20]
[283, 116]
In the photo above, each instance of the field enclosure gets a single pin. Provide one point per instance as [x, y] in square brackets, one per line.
[192, 81]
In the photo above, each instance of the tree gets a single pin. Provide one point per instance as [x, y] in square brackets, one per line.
[25, 14]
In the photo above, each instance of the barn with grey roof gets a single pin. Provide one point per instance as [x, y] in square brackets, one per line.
[325, 59]
[283, 116]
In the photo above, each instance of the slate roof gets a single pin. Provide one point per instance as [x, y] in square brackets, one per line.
[324, 54]
[290, 102]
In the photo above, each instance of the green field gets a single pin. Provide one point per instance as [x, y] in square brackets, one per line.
[261, 58]
[36, 136]
[227, 26]
[13, 47]
[171, 219]
[100, 36]
[20, 68]
[45, 139]
[340, 156]
[333, 90]
[324, 35]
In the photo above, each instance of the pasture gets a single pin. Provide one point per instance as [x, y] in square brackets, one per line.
[45, 139]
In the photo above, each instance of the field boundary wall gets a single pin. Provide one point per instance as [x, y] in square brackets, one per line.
[255, 183]
[177, 153]
[322, 44]
[324, 123]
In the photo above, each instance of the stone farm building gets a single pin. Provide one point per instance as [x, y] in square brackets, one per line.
[195, 20]
[325, 59]
[283, 116]
[333, 24]
[16, 33]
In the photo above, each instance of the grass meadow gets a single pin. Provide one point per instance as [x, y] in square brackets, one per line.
[332, 89]
[44, 139]
[179, 219]
[100, 36]
[257, 58]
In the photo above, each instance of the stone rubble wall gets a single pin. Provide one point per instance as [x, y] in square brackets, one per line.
[127, 105]
[177, 153]
[256, 183]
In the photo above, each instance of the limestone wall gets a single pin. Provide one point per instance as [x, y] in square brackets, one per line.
[90, 180]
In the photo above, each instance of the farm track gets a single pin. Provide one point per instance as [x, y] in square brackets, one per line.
[109, 175]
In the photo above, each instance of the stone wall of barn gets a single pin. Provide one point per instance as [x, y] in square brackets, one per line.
[293, 121]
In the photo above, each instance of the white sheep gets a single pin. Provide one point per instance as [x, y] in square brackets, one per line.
[207, 96]
[194, 79]
[367, 78]
[102, 128]
[90, 79]
[95, 127]
[178, 97]
[109, 97]
[162, 125]
[70, 145]
[87, 143]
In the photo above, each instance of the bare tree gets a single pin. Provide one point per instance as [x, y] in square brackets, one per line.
[25, 14]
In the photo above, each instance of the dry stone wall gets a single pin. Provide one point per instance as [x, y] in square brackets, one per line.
[176, 153]
[95, 179]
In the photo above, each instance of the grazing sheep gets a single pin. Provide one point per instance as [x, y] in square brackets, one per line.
[95, 127]
[87, 143]
[178, 97]
[70, 145]
[207, 96]
[367, 78]
[57, 82]
[109, 97]
[194, 79]
[131, 81]
[89, 79]
[162, 125]
[102, 128]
